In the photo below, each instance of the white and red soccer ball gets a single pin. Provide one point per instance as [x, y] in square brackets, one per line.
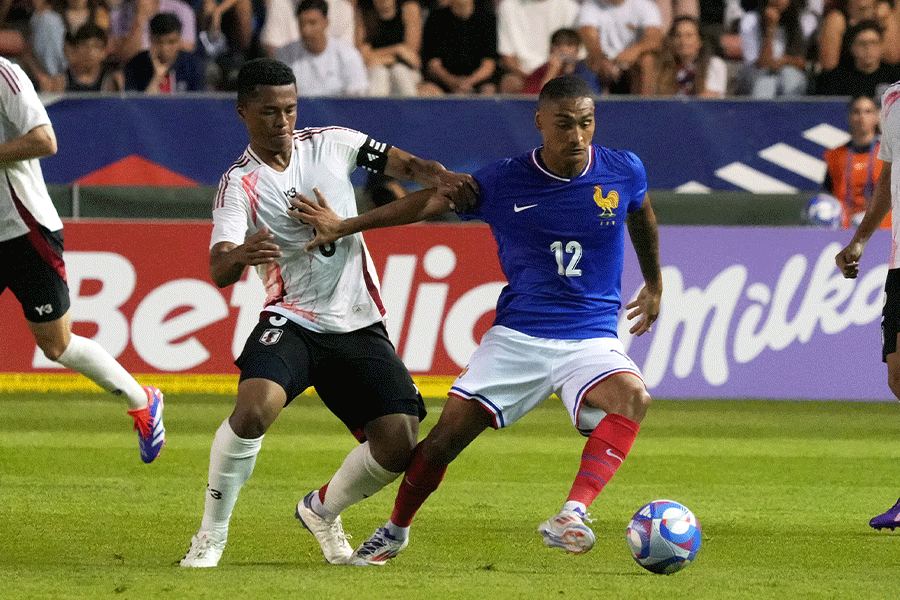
[663, 536]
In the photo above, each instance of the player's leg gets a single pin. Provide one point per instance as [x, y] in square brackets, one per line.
[890, 334]
[502, 382]
[460, 423]
[890, 518]
[610, 412]
[37, 278]
[364, 383]
[232, 458]
[267, 384]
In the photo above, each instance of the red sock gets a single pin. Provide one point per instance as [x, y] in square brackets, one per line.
[420, 480]
[604, 452]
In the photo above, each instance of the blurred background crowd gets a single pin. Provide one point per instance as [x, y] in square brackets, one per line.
[397, 48]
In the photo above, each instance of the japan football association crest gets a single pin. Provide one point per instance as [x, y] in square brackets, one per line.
[270, 336]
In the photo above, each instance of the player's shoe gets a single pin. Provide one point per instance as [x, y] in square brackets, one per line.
[887, 520]
[330, 534]
[378, 549]
[568, 531]
[206, 550]
[148, 422]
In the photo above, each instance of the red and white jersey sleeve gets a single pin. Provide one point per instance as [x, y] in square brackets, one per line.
[890, 147]
[24, 201]
[332, 289]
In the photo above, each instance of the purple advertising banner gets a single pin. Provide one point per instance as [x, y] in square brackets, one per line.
[762, 313]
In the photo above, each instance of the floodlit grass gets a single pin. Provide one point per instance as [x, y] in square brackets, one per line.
[783, 491]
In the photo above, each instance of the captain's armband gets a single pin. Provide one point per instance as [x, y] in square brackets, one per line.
[373, 156]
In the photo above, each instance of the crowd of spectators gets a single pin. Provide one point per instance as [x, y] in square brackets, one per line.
[397, 48]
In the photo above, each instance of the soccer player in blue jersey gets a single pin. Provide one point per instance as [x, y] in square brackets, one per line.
[558, 214]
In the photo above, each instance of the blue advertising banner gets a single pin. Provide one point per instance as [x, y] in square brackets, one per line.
[762, 147]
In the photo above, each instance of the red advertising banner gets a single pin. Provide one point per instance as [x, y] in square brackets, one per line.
[764, 313]
[142, 291]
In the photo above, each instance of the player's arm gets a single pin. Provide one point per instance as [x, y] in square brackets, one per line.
[37, 143]
[644, 235]
[877, 208]
[329, 226]
[431, 174]
[228, 260]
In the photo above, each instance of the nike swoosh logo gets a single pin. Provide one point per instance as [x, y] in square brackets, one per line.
[518, 208]
[614, 455]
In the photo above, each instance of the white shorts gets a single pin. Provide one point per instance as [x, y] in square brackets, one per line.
[510, 373]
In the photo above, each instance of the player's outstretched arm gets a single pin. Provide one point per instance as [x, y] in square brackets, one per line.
[227, 260]
[329, 226]
[645, 239]
[877, 208]
[461, 187]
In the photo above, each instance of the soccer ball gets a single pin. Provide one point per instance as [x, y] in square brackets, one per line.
[824, 211]
[663, 536]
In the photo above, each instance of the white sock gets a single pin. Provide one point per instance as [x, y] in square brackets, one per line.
[231, 462]
[397, 532]
[85, 356]
[578, 507]
[359, 477]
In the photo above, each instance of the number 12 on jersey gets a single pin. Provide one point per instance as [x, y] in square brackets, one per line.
[573, 251]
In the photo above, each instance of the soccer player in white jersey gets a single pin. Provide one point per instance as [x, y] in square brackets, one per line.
[31, 257]
[886, 197]
[558, 214]
[322, 324]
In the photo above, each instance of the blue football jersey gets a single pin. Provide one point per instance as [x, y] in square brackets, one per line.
[560, 241]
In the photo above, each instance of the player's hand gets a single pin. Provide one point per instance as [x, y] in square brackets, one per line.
[848, 259]
[259, 248]
[318, 215]
[645, 308]
[459, 189]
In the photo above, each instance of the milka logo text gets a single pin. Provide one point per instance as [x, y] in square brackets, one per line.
[707, 320]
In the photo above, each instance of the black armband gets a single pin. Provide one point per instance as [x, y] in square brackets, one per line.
[373, 156]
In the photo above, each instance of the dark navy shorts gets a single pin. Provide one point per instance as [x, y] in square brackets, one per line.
[32, 267]
[358, 374]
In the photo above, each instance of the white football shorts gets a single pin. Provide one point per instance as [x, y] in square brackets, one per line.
[510, 373]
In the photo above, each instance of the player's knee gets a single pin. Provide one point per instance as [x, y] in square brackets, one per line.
[638, 403]
[392, 440]
[52, 348]
[251, 421]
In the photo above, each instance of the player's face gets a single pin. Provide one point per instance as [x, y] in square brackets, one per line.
[567, 126]
[270, 118]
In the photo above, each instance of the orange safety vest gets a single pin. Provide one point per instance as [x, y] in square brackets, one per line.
[853, 176]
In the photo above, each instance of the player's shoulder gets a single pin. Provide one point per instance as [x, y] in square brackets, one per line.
[331, 134]
[502, 167]
[617, 160]
[12, 77]
[247, 163]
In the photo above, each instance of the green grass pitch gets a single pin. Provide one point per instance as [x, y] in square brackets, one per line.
[783, 491]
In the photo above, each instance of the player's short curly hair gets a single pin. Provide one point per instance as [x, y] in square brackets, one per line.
[262, 71]
[567, 86]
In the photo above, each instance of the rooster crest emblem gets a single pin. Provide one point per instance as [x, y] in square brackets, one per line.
[607, 204]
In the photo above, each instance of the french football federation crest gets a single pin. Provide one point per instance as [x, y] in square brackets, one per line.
[607, 204]
[270, 336]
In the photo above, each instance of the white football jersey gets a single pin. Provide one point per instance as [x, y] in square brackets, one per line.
[332, 289]
[24, 200]
[890, 147]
